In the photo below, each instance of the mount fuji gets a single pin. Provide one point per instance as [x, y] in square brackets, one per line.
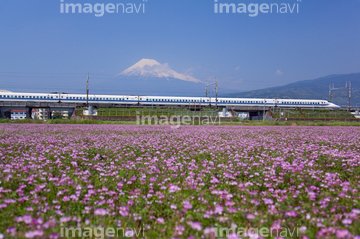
[151, 68]
[149, 77]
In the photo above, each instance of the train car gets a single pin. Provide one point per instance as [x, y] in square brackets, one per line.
[176, 101]
[100, 99]
[36, 97]
[69, 98]
[283, 103]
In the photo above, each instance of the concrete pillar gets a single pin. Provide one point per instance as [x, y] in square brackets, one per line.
[7, 114]
[28, 112]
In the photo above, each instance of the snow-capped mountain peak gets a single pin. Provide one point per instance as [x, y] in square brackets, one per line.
[152, 68]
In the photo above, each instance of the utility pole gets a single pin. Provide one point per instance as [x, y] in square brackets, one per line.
[87, 91]
[216, 90]
[347, 86]
[206, 91]
[331, 87]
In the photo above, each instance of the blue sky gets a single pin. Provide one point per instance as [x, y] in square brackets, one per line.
[42, 49]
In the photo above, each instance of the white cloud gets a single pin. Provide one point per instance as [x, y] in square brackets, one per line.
[238, 81]
[279, 73]
[237, 68]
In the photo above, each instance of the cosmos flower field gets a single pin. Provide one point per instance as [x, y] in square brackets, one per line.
[191, 182]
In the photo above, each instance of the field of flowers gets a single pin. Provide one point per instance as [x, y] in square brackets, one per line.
[191, 182]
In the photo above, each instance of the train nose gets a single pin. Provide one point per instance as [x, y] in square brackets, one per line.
[334, 106]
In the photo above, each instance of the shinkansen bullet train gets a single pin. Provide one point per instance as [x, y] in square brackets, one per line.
[162, 100]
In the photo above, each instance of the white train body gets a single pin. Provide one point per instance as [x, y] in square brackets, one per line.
[163, 100]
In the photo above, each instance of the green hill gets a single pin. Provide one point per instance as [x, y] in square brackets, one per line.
[311, 89]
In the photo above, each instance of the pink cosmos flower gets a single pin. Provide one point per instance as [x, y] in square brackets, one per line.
[160, 220]
[250, 216]
[101, 212]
